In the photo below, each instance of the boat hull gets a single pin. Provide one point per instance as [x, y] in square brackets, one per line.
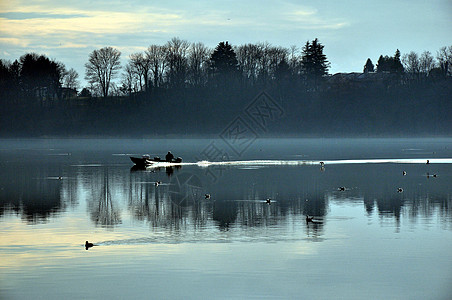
[144, 161]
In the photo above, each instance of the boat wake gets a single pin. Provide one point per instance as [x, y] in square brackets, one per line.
[263, 163]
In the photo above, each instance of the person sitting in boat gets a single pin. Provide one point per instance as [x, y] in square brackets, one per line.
[169, 157]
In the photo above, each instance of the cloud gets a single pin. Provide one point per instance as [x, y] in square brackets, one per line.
[99, 22]
[13, 15]
[310, 19]
[14, 41]
[44, 21]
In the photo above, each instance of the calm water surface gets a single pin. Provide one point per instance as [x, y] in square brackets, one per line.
[168, 241]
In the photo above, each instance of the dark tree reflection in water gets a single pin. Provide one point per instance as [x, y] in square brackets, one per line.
[103, 207]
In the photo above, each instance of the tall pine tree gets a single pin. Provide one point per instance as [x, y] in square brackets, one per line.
[390, 64]
[314, 64]
[369, 66]
[223, 59]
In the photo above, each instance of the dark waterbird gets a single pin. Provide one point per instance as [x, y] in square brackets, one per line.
[88, 245]
[311, 220]
[268, 201]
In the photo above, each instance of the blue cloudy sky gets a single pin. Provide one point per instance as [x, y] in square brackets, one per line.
[351, 31]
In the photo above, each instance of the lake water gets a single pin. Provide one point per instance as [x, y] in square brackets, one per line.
[168, 241]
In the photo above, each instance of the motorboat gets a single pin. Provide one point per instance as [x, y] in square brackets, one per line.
[146, 160]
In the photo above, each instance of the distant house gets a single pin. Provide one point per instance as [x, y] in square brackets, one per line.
[357, 80]
[68, 93]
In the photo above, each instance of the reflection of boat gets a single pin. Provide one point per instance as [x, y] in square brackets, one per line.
[146, 160]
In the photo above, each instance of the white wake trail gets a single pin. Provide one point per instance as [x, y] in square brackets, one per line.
[305, 162]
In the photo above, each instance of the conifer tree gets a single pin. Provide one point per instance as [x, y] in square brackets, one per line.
[369, 66]
[314, 64]
[223, 59]
[223, 66]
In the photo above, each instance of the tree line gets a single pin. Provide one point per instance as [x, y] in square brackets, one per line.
[180, 64]
[34, 77]
[189, 88]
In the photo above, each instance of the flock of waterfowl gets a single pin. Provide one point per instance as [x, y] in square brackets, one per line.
[399, 189]
[309, 219]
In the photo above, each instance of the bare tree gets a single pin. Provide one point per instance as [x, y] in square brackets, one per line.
[411, 64]
[260, 62]
[426, 63]
[70, 79]
[129, 82]
[141, 64]
[248, 56]
[444, 57]
[294, 56]
[278, 56]
[176, 57]
[157, 57]
[198, 60]
[102, 66]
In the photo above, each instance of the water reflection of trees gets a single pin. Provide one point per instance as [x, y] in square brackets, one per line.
[103, 208]
[30, 193]
[168, 205]
[237, 201]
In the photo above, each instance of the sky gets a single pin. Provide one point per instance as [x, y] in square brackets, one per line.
[351, 31]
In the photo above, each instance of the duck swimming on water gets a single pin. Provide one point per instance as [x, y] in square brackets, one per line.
[88, 245]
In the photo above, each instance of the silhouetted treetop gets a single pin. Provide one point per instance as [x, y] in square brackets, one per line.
[102, 66]
[390, 64]
[40, 76]
[176, 51]
[223, 59]
[444, 57]
[313, 61]
[314, 64]
[369, 66]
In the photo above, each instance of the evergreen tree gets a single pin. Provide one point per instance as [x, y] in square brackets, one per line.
[314, 64]
[383, 64]
[397, 66]
[40, 76]
[223, 59]
[369, 66]
[223, 64]
[390, 64]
